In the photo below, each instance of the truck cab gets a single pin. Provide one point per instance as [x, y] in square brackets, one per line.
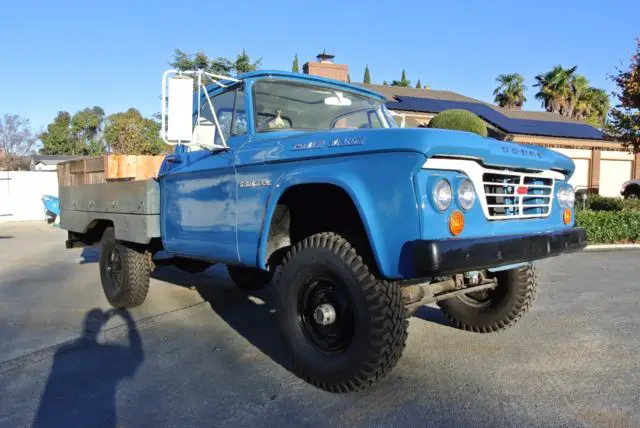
[309, 185]
[331, 155]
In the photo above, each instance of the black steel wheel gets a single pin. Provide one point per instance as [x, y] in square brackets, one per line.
[124, 272]
[114, 269]
[325, 313]
[345, 329]
[496, 309]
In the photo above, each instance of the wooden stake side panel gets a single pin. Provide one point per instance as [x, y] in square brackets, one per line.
[101, 169]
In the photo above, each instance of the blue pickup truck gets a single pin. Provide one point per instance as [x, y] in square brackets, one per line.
[309, 185]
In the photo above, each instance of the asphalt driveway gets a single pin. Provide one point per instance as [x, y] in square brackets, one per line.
[199, 352]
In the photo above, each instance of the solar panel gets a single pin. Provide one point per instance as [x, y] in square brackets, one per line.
[494, 117]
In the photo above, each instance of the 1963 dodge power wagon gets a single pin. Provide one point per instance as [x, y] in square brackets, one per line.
[309, 184]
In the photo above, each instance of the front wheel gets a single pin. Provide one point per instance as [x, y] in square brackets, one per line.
[497, 309]
[344, 328]
[124, 272]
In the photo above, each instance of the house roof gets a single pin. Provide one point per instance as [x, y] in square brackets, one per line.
[53, 159]
[510, 121]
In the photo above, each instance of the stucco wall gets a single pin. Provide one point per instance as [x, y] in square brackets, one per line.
[21, 194]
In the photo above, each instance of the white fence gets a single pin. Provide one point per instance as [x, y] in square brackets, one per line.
[21, 194]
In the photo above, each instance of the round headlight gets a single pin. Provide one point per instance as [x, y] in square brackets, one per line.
[442, 195]
[562, 196]
[570, 196]
[466, 195]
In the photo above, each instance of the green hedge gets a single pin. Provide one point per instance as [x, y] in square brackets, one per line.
[602, 203]
[610, 227]
[461, 120]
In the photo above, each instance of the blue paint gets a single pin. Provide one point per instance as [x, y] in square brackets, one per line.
[206, 214]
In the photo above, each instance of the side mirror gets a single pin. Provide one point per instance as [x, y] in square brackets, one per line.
[178, 109]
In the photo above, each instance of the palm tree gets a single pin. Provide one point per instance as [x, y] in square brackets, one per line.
[510, 91]
[599, 106]
[556, 90]
[580, 98]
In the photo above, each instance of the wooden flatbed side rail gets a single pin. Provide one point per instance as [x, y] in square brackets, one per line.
[101, 169]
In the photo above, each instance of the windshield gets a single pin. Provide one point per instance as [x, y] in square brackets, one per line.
[281, 105]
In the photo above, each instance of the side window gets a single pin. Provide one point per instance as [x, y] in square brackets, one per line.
[223, 104]
[231, 116]
[240, 115]
[358, 120]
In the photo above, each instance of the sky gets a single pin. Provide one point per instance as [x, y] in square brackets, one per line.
[68, 55]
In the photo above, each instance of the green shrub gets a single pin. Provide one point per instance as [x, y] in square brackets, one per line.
[461, 120]
[603, 203]
[610, 227]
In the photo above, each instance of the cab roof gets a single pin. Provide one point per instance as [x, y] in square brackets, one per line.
[258, 74]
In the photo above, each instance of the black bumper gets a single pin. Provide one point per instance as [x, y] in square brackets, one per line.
[459, 255]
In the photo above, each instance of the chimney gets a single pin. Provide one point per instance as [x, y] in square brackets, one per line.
[325, 67]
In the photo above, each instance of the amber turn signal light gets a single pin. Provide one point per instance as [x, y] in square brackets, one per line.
[566, 216]
[456, 223]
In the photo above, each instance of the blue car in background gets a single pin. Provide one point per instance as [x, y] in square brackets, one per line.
[51, 208]
[309, 185]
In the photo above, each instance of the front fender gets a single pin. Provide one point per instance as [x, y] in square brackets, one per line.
[380, 186]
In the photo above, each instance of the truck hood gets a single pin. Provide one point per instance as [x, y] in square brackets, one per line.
[430, 142]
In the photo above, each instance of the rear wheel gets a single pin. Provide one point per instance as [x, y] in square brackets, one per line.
[249, 278]
[124, 272]
[496, 309]
[344, 328]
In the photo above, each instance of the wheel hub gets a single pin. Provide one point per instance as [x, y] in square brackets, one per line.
[325, 314]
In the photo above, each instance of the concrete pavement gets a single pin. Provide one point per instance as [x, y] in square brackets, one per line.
[211, 356]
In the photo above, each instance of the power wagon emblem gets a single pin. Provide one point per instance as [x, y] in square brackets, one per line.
[255, 183]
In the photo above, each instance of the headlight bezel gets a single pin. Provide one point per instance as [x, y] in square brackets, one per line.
[434, 195]
[466, 182]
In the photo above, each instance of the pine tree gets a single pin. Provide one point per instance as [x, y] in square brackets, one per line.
[295, 67]
[418, 85]
[403, 81]
[367, 76]
[384, 82]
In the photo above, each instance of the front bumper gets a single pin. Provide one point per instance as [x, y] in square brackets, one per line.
[460, 255]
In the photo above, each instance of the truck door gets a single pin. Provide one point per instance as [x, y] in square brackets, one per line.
[199, 189]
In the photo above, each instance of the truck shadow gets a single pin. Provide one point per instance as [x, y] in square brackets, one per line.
[90, 255]
[431, 314]
[251, 314]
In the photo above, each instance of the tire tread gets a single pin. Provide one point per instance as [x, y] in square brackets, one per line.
[386, 307]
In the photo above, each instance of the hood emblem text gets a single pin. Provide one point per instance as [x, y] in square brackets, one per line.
[338, 142]
[255, 183]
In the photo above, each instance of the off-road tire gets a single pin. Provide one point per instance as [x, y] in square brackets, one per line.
[134, 284]
[379, 322]
[511, 299]
[249, 278]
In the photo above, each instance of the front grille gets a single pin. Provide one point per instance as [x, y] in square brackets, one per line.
[505, 201]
